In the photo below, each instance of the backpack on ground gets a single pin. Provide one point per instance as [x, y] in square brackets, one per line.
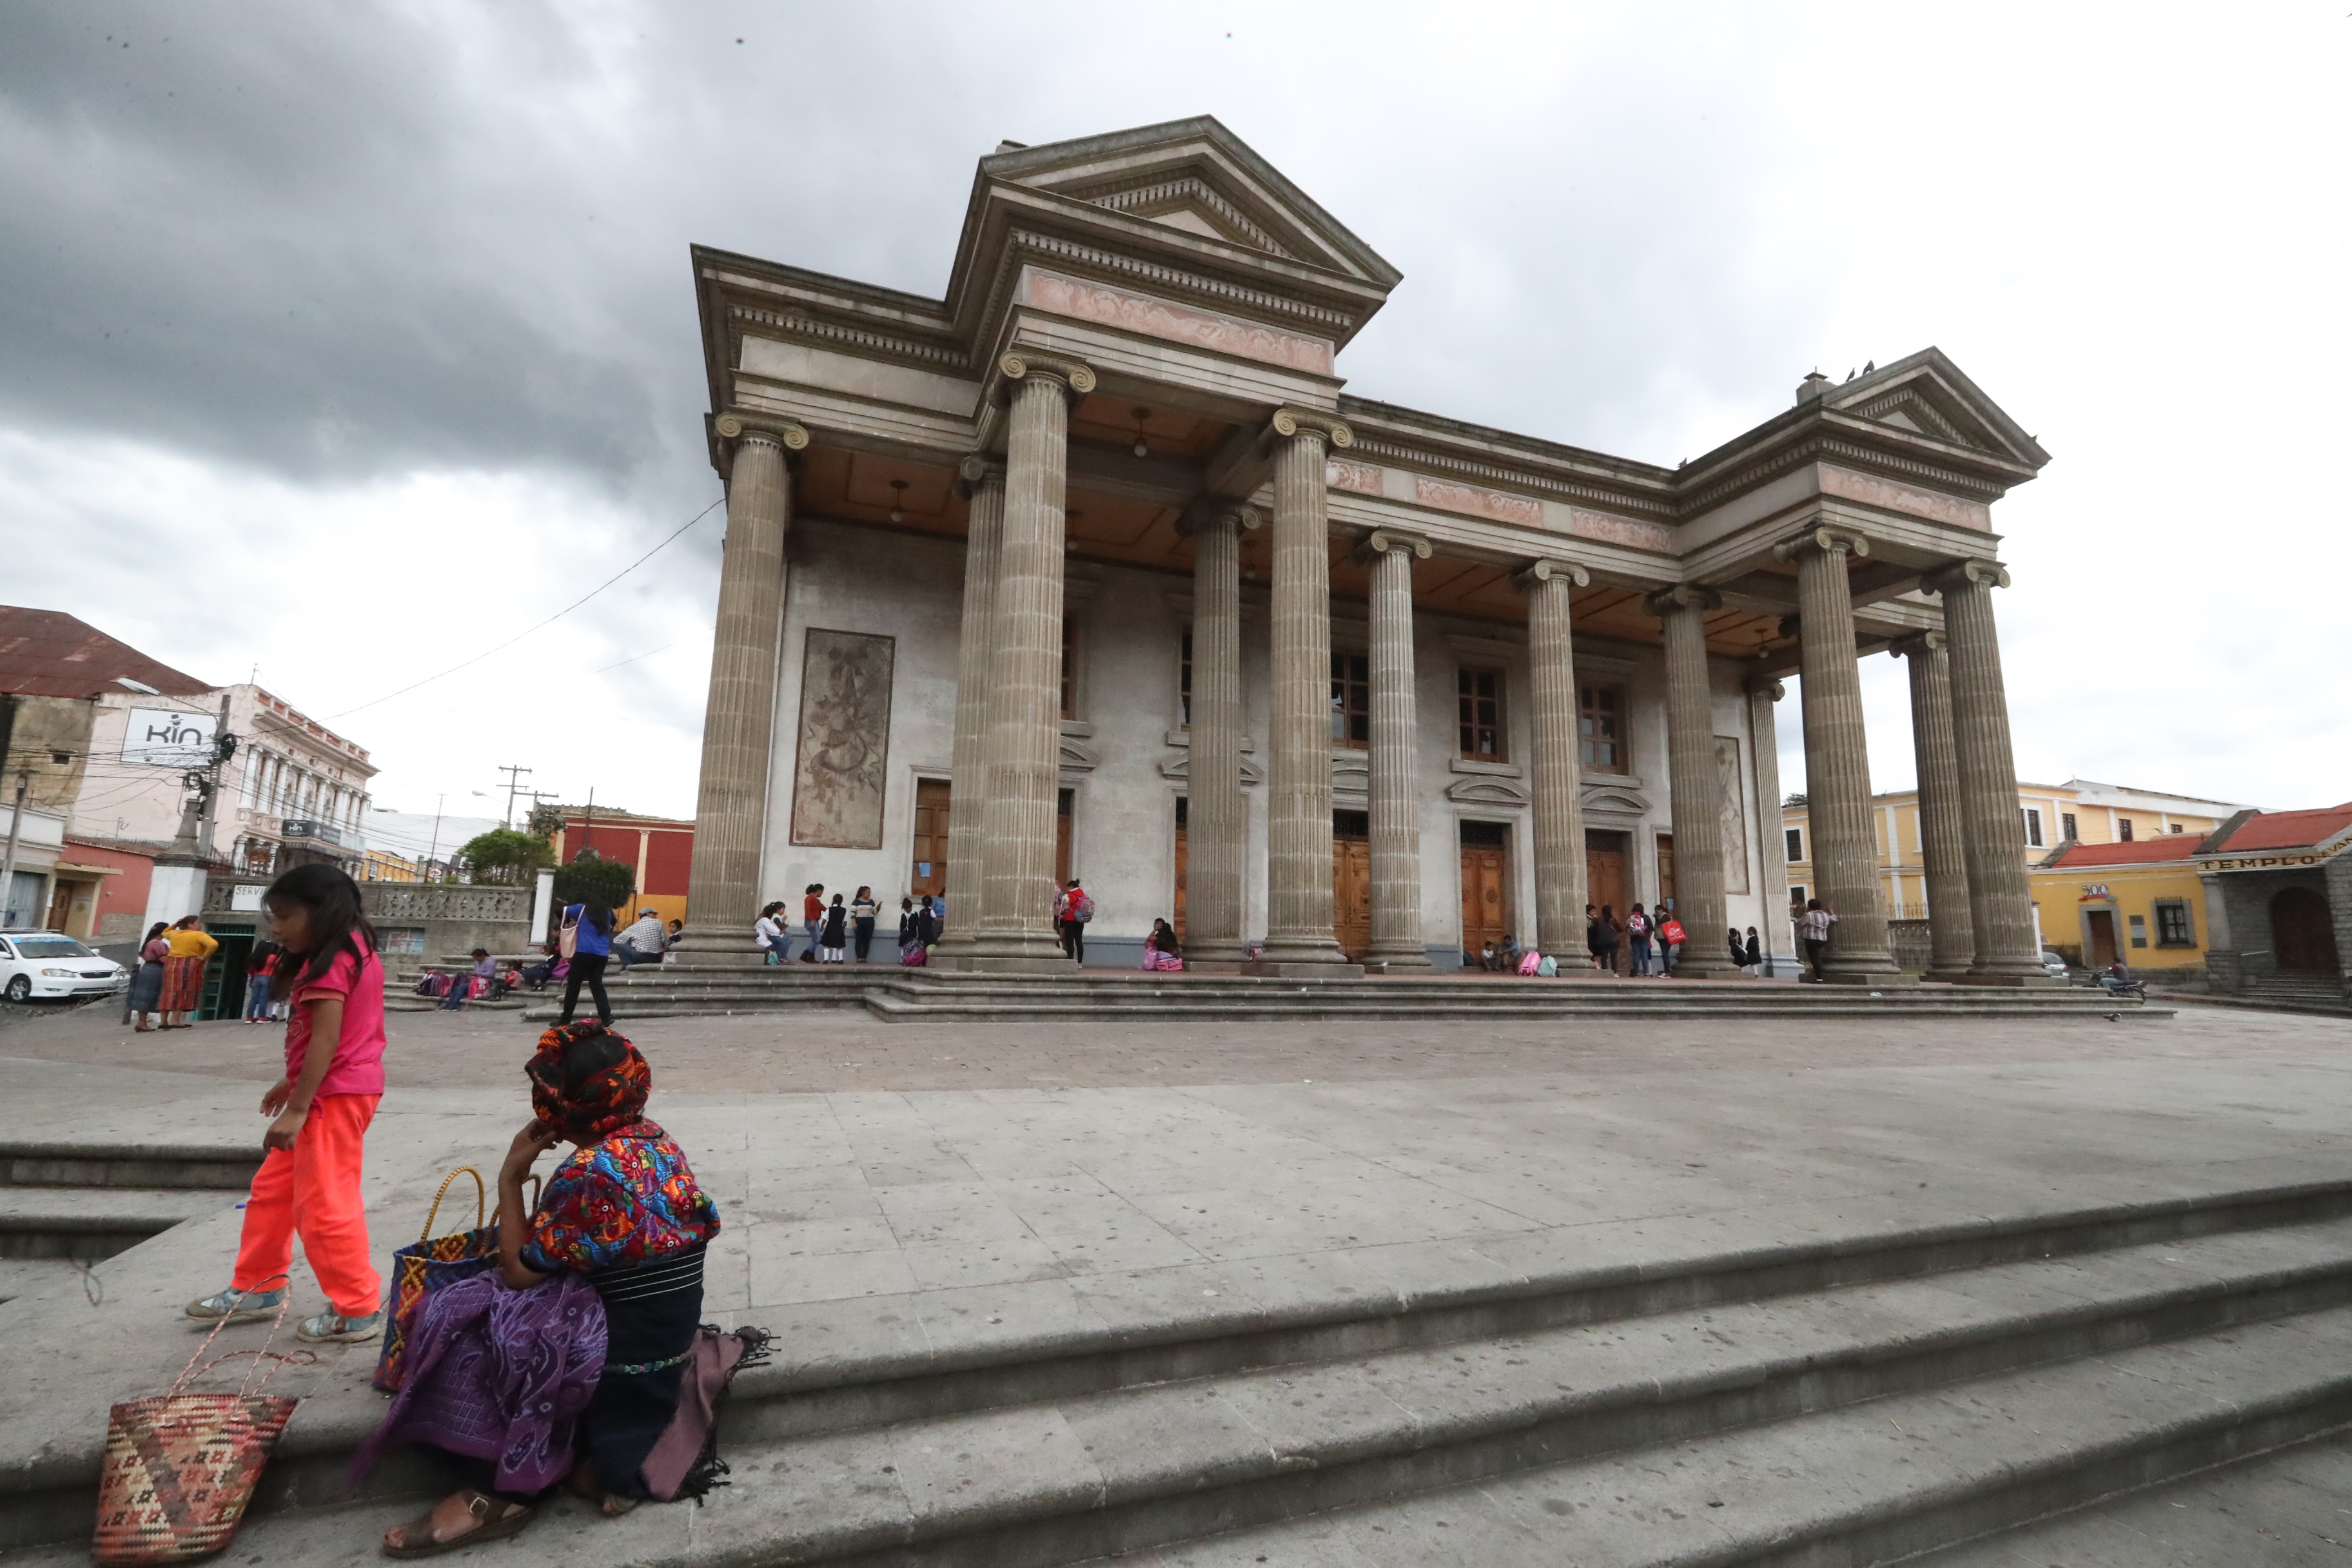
[914, 957]
[1531, 963]
[1547, 968]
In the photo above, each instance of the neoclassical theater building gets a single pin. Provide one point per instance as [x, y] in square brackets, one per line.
[1091, 568]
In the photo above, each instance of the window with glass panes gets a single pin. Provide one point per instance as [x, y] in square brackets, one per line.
[1482, 715]
[1601, 728]
[1351, 699]
[2172, 927]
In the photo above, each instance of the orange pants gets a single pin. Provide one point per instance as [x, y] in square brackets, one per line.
[315, 1191]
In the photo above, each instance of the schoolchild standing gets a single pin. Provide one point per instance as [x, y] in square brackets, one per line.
[308, 1183]
[836, 931]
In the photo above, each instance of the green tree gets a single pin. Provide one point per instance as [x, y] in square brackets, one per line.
[546, 821]
[611, 883]
[504, 857]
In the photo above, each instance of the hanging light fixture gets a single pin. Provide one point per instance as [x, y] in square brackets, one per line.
[898, 501]
[1142, 448]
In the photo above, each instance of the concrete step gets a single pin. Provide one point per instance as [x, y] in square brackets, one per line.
[1917, 1412]
[94, 1223]
[846, 1371]
[1871, 1483]
[71, 1164]
[24, 1276]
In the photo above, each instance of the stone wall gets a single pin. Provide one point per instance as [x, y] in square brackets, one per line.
[1908, 941]
[447, 919]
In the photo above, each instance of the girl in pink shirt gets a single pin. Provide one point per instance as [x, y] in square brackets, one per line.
[310, 1179]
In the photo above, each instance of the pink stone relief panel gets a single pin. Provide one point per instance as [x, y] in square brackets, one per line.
[1477, 501]
[1892, 495]
[1342, 475]
[1624, 531]
[1176, 323]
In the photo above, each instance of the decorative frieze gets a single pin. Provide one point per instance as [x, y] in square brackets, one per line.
[1175, 323]
[1165, 277]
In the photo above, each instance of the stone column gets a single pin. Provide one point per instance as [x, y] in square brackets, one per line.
[2001, 896]
[1696, 784]
[1216, 834]
[981, 480]
[1023, 744]
[1394, 798]
[730, 811]
[1764, 739]
[1837, 759]
[1299, 778]
[1942, 840]
[1558, 781]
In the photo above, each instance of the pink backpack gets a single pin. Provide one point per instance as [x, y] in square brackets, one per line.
[1530, 960]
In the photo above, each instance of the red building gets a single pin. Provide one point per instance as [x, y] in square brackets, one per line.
[660, 849]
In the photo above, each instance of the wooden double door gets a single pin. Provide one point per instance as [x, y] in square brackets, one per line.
[1352, 881]
[2303, 929]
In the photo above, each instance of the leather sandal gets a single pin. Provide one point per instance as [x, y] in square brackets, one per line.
[417, 1540]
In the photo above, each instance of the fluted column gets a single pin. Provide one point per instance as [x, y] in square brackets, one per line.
[1023, 742]
[1837, 759]
[1216, 834]
[1764, 741]
[723, 896]
[1558, 786]
[1696, 783]
[2001, 896]
[982, 479]
[1943, 845]
[1298, 777]
[1393, 798]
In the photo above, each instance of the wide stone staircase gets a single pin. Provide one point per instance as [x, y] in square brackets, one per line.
[1852, 1396]
[66, 1206]
[715, 986]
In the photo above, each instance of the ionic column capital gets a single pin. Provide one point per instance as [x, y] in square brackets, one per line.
[1769, 686]
[1682, 596]
[1545, 569]
[1970, 572]
[1289, 423]
[977, 469]
[1914, 645]
[1382, 542]
[1828, 541]
[737, 426]
[1076, 377]
[1202, 515]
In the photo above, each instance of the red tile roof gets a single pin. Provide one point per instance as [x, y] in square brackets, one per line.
[2138, 852]
[48, 653]
[2286, 829]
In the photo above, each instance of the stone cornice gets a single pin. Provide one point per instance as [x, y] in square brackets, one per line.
[1154, 190]
[861, 340]
[1200, 285]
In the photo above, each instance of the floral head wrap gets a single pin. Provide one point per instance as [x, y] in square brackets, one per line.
[597, 1105]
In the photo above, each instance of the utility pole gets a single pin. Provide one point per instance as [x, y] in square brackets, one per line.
[8, 861]
[425, 872]
[514, 787]
[224, 746]
[588, 824]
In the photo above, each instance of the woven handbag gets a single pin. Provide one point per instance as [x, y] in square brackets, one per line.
[435, 1263]
[181, 1468]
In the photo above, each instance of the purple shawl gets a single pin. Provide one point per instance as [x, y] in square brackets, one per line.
[501, 1374]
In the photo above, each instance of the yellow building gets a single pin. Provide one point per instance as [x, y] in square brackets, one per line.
[383, 866]
[2078, 812]
[2141, 902]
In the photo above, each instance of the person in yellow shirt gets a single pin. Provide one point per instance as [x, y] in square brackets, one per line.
[184, 971]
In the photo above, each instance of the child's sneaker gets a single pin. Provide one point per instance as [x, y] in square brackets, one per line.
[238, 1306]
[332, 1329]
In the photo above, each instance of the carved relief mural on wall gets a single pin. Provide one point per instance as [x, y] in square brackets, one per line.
[844, 739]
[1735, 816]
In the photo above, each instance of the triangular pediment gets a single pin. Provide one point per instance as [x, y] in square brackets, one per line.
[1198, 178]
[1926, 395]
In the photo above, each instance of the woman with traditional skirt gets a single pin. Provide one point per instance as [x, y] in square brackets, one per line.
[184, 971]
[145, 997]
[581, 1356]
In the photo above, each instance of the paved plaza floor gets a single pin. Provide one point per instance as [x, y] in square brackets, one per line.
[884, 1185]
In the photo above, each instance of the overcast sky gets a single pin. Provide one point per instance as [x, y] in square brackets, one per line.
[345, 342]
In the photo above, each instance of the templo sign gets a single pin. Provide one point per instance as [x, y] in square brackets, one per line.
[168, 737]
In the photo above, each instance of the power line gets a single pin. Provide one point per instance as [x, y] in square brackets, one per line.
[550, 620]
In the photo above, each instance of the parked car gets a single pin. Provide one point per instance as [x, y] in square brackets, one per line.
[2054, 964]
[51, 963]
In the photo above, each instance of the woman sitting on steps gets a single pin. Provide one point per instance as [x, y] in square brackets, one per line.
[569, 1359]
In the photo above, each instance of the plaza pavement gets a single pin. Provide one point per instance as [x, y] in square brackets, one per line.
[886, 1184]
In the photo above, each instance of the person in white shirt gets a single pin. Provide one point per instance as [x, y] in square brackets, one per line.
[1813, 931]
[768, 931]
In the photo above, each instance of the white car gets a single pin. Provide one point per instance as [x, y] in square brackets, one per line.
[51, 963]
